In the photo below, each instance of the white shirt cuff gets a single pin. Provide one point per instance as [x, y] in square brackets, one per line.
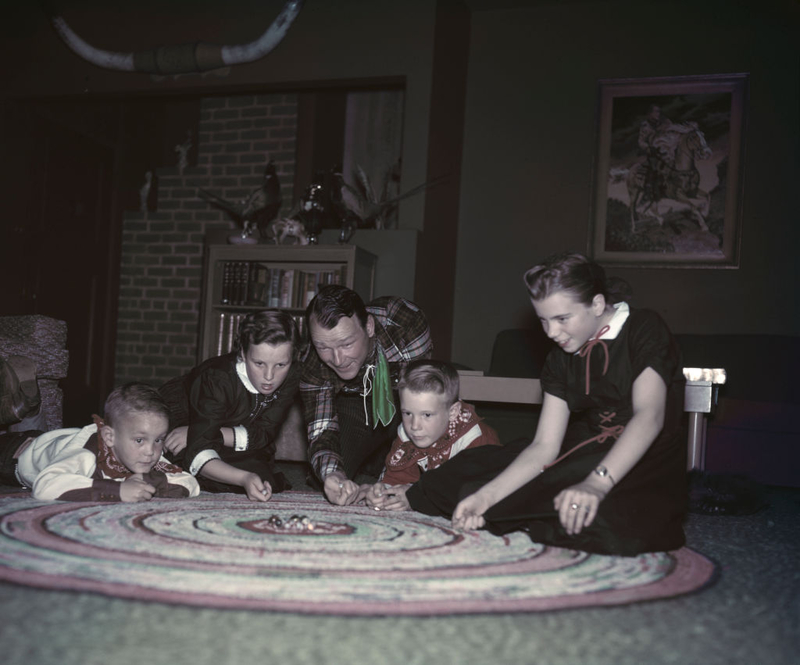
[240, 441]
[201, 459]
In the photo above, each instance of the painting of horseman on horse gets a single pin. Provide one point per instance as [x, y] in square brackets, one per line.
[667, 174]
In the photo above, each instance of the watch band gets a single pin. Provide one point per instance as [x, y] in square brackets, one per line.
[602, 471]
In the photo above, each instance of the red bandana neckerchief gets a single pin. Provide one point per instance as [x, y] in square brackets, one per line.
[408, 454]
[586, 352]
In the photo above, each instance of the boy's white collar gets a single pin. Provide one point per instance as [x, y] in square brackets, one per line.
[241, 370]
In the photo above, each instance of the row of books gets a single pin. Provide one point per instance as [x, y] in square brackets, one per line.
[228, 327]
[255, 284]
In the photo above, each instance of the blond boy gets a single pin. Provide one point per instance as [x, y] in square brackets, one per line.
[435, 427]
[116, 460]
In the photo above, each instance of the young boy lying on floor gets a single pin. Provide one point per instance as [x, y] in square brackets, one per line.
[436, 427]
[116, 460]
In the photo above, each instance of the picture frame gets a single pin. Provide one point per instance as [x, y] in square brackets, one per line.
[674, 146]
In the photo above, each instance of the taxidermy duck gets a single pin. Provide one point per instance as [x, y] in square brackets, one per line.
[258, 210]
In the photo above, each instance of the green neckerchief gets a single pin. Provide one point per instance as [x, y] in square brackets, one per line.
[382, 400]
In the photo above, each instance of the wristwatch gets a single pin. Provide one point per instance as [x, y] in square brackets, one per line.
[601, 471]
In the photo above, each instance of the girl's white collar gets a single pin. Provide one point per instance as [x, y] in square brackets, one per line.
[621, 313]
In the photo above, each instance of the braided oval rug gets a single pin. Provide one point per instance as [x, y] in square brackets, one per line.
[222, 551]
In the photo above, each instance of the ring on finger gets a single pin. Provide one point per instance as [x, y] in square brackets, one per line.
[574, 506]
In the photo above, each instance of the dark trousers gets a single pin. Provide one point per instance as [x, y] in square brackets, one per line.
[9, 444]
[364, 447]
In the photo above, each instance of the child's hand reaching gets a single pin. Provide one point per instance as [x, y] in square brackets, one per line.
[468, 514]
[373, 497]
[387, 497]
[577, 505]
[176, 440]
[135, 489]
[257, 489]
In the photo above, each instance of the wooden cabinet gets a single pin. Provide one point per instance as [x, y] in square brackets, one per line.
[238, 279]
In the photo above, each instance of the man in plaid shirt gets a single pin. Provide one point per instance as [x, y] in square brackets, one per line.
[348, 378]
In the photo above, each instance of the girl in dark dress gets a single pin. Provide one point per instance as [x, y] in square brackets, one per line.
[227, 412]
[606, 470]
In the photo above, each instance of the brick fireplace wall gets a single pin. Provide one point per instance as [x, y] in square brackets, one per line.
[162, 250]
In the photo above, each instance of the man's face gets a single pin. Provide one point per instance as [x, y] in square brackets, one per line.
[345, 347]
[137, 440]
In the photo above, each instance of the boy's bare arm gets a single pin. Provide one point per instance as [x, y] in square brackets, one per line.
[255, 488]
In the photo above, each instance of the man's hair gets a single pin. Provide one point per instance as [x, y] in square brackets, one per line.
[273, 326]
[134, 397]
[334, 302]
[430, 376]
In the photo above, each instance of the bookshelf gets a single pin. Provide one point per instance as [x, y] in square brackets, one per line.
[238, 279]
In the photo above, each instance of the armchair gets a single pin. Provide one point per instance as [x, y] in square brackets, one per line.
[41, 339]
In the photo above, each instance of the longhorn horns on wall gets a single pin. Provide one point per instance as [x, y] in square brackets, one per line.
[182, 58]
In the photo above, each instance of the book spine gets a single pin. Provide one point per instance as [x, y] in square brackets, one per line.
[275, 287]
[297, 292]
[221, 332]
[309, 281]
[226, 283]
[232, 326]
[242, 281]
[286, 288]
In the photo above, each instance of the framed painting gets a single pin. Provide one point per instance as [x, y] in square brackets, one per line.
[668, 172]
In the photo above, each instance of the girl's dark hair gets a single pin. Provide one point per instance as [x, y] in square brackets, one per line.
[334, 302]
[273, 326]
[577, 274]
[430, 376]
[134, 397]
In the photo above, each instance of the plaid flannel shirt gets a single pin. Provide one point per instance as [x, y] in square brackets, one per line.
[401, 333]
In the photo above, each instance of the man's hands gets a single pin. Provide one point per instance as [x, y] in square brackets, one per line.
[387, 497]
[135, 489]
[340, 490]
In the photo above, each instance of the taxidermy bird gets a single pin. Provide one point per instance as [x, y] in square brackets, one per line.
[371, 207]
[259, 209]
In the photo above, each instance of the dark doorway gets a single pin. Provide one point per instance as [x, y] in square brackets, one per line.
[56, 185]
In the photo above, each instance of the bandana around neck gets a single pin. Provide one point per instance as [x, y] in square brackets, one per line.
[383, 408]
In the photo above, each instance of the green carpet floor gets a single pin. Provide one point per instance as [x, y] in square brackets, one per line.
[751, 614]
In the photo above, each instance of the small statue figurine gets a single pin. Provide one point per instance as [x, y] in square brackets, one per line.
[289, 228]
[183, 153]
[313, 211]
